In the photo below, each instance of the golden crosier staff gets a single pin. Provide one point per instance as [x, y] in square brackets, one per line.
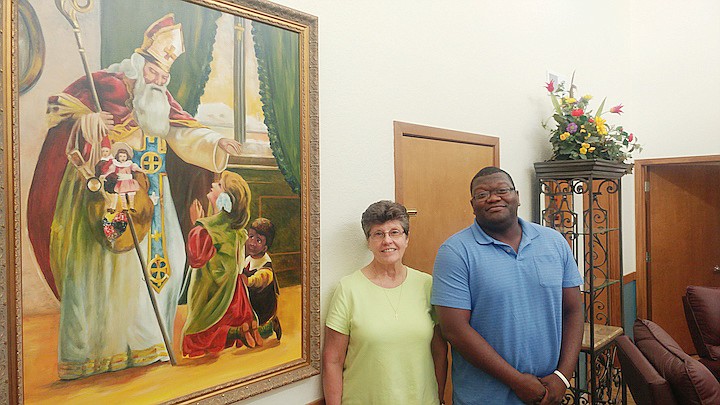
[69, 15]
[77, 159]
[92, 130]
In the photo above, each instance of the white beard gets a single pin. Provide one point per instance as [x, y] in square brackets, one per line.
[151, 108]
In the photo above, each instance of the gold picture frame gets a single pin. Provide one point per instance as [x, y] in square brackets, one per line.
[20, 291]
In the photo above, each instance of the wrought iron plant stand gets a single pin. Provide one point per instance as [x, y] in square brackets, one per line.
[582, 200]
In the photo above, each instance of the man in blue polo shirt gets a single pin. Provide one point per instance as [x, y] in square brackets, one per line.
[506, 293]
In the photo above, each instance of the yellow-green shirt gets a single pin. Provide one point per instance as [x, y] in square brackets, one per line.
[388, 360]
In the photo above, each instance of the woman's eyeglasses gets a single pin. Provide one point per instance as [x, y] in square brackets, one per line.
[393, 233]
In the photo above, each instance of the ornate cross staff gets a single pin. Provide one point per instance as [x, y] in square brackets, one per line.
[69, 9]
[69, 14]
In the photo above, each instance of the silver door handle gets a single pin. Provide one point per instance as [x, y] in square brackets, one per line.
[716, 269]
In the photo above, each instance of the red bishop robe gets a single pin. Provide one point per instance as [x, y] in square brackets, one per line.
[115, 97]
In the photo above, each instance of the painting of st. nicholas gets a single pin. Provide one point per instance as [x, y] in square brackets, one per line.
[162, 211]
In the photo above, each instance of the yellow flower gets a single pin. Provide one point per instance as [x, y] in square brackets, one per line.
[570, 100]
[591, 149]
[583, 151]
[564, 136]
[587, 97]
[600, 124]
[585, 145]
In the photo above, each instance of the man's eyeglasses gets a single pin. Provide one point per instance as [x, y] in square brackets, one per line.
[484, 195]
[393, 233]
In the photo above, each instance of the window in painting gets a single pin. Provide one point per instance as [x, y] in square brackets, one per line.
[233, 107]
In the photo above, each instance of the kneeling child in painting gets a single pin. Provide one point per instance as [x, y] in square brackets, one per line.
[219, 311]
[262, 283]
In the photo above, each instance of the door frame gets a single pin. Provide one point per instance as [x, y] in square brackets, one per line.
[642, 166]
[402, 129]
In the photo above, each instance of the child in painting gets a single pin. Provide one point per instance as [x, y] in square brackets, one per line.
[219, 311]
[262, 284]
[102, 170]
[126, 185]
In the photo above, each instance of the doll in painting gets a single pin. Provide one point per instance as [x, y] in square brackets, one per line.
[126, 186]
[262, 284]
[102, 169]
[219, 311]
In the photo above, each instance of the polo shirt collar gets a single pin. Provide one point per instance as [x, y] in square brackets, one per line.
[528, 233]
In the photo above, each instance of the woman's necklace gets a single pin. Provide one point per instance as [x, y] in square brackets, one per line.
[394, 307]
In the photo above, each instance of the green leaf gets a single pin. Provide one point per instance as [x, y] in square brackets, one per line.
[555, 102]
[602, 105]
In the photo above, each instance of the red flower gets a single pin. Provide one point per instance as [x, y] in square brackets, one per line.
[591, 120]
[617, 109]
[577, 112]
[630, 137]
[550, 86]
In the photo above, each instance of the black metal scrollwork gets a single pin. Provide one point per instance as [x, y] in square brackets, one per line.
[585, 210]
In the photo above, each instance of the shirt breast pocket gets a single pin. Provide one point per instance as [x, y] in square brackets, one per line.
[549, 271]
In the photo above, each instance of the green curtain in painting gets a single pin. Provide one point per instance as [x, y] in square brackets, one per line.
[278, 58]
[123, 24]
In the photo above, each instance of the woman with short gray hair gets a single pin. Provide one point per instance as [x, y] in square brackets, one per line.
[382, 342]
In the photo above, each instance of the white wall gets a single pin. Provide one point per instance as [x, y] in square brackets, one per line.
[479, 66]
[674, 82]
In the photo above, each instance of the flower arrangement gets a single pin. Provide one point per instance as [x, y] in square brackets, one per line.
[583, 134]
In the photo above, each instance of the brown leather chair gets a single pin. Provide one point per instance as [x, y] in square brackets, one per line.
[647, 386]
[702, 312]
[690, 381]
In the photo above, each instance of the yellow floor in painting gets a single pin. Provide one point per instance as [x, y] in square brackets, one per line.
[158, 382]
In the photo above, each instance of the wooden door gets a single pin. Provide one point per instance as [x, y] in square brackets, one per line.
[433, 169]
[683, 240]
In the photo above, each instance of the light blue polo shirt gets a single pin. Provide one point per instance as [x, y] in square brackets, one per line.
[515, 302]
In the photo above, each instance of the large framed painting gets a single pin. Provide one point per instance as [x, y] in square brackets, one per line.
[159, 233]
